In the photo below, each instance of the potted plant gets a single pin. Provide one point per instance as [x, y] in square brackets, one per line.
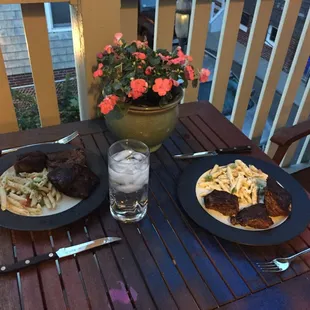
[141, 89]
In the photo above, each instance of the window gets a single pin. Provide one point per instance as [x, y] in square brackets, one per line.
[245, 22]
[271, 35]
[58, 16]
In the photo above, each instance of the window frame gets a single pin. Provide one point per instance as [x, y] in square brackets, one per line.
[50, 22]
[242, 26]
[269, 31]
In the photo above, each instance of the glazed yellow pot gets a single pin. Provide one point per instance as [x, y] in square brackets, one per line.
[151, 125]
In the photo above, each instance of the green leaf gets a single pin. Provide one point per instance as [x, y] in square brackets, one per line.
[175, 76]
[154, 60]
[234, 190]
[108, 89]
[208, 178]
[195, 83]
[163, 52]
[117, 85]
[185, 83]
[132, 48]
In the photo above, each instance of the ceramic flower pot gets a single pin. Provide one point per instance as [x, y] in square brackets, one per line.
[151, 125]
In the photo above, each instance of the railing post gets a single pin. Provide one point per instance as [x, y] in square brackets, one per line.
[94, 23]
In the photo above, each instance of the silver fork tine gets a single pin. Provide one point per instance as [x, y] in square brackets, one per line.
[272, 270]
[266, 265]
[68, 138]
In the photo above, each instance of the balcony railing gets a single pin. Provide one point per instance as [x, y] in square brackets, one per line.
[94, 23]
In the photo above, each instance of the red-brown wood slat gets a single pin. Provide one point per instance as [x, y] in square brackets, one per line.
[94, 282]
[165, 194]
[174, 280]
[155, 282]
[118, 294]
[30, 283]
[54, 295]
[9, 295]
[138, 291]
[181, 258]
[73, 284]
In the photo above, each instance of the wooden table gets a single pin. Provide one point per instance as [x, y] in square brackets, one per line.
[166, 261]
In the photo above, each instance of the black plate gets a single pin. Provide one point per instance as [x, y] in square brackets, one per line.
[83, 208]
[293, 226]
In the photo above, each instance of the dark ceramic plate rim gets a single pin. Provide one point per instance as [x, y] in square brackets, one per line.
[292, 227]
[83, 208]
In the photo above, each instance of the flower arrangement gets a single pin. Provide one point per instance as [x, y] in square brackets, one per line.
[135, 74]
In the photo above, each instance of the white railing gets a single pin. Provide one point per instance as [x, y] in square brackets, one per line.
[95, 21]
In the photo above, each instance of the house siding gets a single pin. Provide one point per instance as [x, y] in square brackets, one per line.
[14, 47]
[267, 50]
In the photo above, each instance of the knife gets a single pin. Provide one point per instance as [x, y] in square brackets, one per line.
[63, 252]
[230, 150]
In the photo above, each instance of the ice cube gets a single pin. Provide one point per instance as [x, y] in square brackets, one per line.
[122, 155]
[127, 189]
[127, 176]
[138, 156]
[142, 179]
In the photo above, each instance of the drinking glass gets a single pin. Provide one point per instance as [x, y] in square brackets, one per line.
[129, 166]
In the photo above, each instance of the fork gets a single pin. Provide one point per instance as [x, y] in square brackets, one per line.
[64, 140]
[280, 264]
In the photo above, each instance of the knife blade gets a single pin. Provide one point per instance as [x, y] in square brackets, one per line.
[63, 252]
[230, 150]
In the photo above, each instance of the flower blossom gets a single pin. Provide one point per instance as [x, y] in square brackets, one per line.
[117, 39]
[181, 59]
[108, 49]
[108, 104]
[164, 58]
[175, 83]
[138, 88]
[99, 71]
[138, 55]
[189, 73]
[204, 75]
[149, 70]
[162, 86]
[99, 55]
[140, 44]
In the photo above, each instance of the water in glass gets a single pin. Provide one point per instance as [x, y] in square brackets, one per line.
[128, 180]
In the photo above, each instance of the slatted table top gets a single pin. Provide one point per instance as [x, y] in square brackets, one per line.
[164, 262]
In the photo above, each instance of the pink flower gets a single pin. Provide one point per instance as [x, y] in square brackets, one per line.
[108, 104]
[98, 73]
[100, 66]
[108, 49]
[189, 73]
[164, 58]
[162, 86]
[204, 75]
[138, 55]
[99, 55]
[175, 83]
[138, 88]
[117, 38]
[139, 43]
[149, 70]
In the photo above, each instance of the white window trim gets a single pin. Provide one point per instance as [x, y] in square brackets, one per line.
[243, 28]
[270, 42]
[49, 20]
